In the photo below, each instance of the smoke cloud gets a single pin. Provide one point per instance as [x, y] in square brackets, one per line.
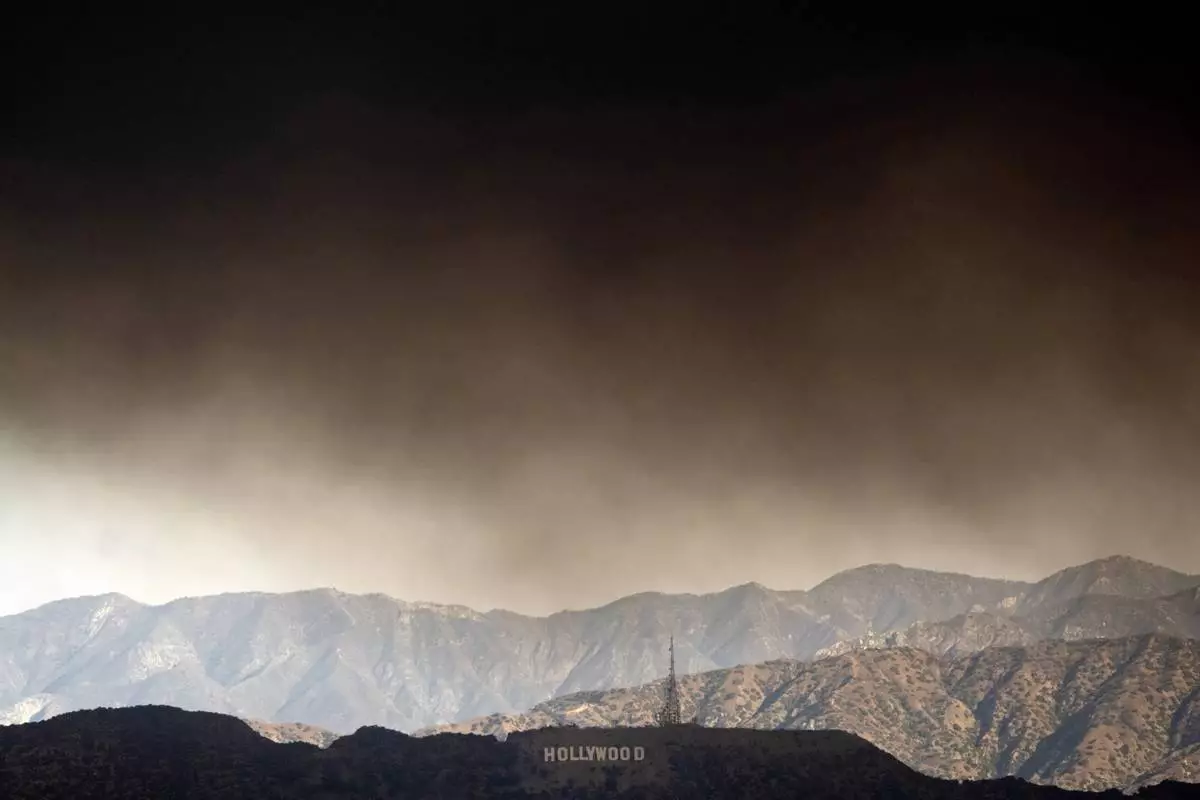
[542, 361]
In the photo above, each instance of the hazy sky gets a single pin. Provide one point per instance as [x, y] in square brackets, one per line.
[542, 360]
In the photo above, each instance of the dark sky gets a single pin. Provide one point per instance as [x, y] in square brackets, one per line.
[505, 307]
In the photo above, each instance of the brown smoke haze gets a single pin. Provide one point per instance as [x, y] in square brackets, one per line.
[524, 362]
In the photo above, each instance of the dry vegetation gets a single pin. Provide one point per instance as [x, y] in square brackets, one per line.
[1087, 714]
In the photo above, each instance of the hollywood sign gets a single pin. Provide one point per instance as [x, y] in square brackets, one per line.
[591, 753]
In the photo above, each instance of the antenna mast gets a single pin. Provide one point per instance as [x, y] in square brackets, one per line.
[670, 713]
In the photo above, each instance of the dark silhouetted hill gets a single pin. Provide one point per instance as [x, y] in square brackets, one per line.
[160, 752]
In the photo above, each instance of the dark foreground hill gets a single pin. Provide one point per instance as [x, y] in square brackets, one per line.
[161, 752]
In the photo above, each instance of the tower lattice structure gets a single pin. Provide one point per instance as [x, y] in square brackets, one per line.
[669, 713]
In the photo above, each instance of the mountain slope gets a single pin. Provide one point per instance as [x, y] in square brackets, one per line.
[1084, 714]
[1182, 766]
[285, 733]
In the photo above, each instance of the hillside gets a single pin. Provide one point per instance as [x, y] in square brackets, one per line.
[1085, 714]
[163, 752]
[287, 732]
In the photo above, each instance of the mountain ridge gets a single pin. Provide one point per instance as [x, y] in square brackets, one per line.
[864, 569]
[341, 661]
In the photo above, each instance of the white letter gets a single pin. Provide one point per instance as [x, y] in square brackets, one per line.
[624, 753]
[639, 753]
[548, 752]
[562, 754]
[612, 754]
